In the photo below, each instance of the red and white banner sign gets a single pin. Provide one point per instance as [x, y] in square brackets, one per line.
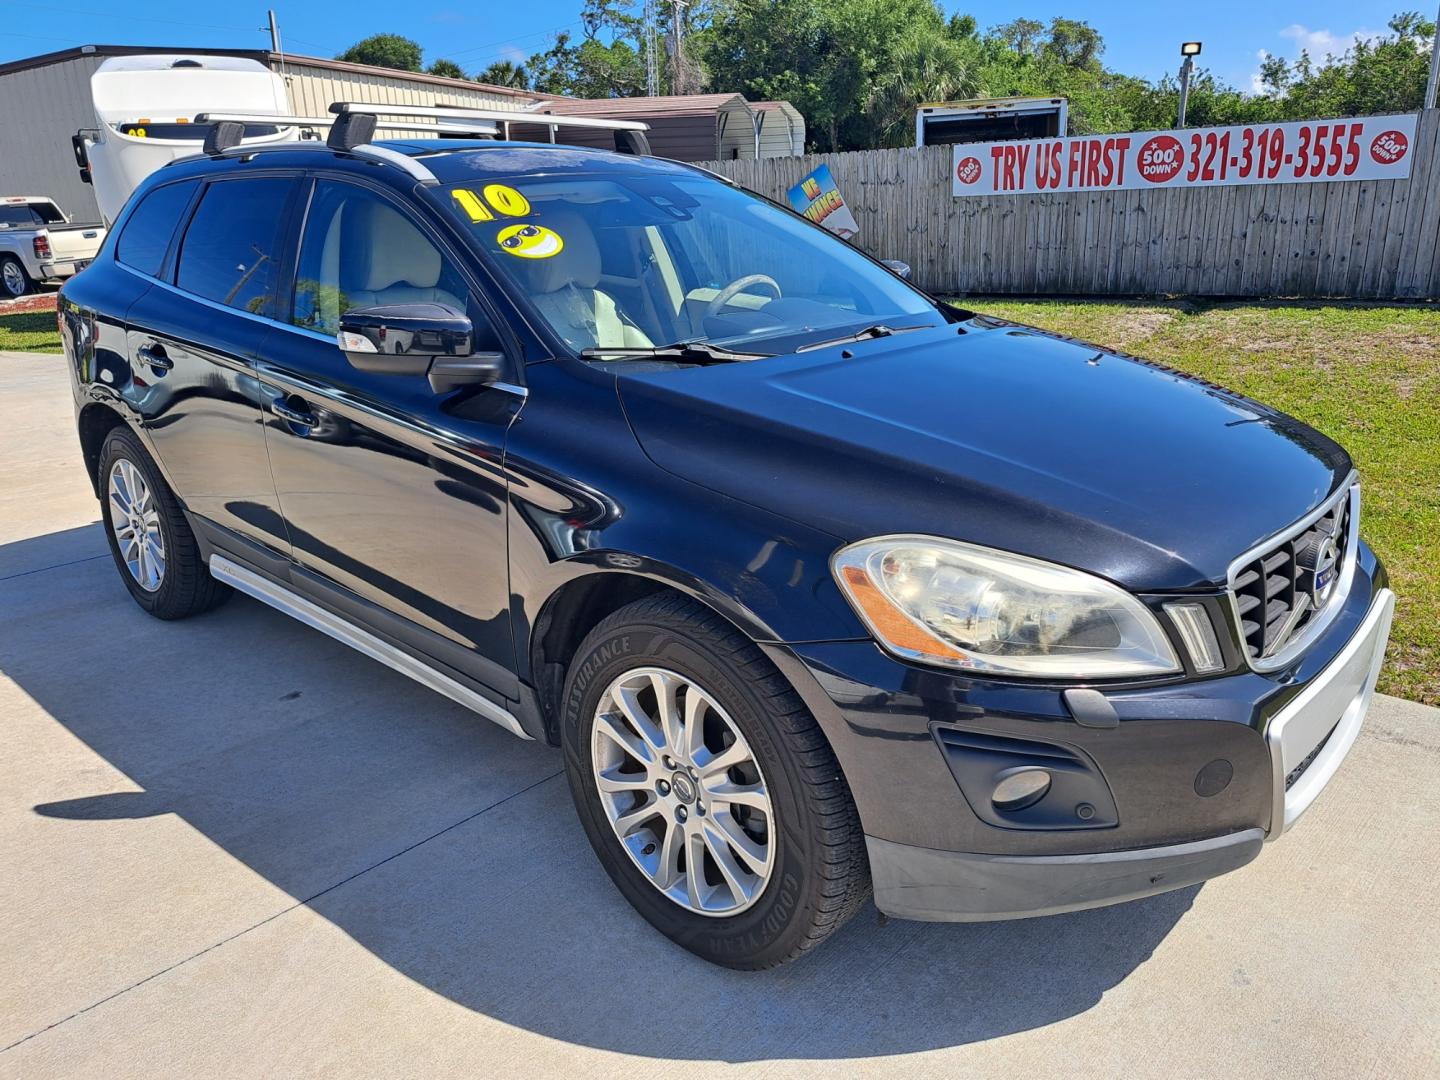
[1312, 151]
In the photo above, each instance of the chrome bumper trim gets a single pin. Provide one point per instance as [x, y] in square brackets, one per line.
[1331, 706]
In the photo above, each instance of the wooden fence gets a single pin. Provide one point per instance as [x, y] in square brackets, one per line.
[1372, 239]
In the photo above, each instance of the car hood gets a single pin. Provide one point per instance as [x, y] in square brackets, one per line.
[999, 435]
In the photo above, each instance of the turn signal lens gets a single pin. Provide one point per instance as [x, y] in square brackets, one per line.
[1198, 634]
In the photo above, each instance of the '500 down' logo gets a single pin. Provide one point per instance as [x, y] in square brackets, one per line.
[1161, 159]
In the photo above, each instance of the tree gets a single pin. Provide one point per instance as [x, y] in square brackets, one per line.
[385, 50]
[448, 68]
[854, 68]
[1021, 36]
[1379, 75]
[505, 73]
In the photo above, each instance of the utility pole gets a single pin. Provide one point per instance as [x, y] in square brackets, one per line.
[1430, 86]
[679, 76]
[274, 33]
[1189, 50]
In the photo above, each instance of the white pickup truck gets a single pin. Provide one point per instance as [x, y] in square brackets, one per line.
[38, 243]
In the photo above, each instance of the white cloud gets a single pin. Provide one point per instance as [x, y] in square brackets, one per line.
[1322, 43]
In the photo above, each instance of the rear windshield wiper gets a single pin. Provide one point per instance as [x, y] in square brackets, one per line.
[878, 330]
[691, 352]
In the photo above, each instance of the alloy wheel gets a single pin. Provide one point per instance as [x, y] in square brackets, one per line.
[683, 791]
[14, 278]
[135, 521]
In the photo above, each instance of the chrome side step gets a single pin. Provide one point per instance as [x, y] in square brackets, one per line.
[297, 607]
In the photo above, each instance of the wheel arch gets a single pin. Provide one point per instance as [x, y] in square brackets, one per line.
[590, 593]
[95, 422]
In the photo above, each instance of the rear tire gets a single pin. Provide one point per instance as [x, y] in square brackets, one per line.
[150, 539]
[800, 854]
[14, 281]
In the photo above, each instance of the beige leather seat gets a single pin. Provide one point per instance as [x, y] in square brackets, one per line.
[383, 259]
[564, 288]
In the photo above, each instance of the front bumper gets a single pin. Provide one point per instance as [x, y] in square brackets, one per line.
[937, 853]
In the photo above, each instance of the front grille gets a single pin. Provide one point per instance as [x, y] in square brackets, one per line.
[1271, 587]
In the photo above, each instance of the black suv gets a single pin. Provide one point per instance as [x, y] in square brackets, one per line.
[817, 583]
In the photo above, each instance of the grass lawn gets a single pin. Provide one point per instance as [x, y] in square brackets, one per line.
[29, 331]
[1366, 375]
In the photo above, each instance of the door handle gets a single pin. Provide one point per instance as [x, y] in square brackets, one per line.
[296, 415]
[153, 357]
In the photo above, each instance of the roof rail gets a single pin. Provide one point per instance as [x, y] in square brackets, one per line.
[461, 127]
[503, 117]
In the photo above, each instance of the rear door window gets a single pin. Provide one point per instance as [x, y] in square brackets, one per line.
[147, 232]
[232, 246]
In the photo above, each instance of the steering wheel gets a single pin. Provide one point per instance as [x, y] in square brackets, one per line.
[736, 287]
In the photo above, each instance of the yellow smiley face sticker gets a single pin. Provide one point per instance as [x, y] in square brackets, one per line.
[530, 241]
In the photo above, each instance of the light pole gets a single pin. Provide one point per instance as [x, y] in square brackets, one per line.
[1189, 50]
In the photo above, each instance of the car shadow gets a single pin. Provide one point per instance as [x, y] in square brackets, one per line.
[450, 851]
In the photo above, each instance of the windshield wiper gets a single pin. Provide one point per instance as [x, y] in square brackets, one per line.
[692, 352]
[878, 330]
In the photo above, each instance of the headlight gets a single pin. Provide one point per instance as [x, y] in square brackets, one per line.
[946, 602]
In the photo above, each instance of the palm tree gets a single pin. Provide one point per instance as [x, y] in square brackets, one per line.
[505, 73]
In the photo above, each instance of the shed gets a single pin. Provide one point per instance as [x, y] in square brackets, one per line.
[687, 127]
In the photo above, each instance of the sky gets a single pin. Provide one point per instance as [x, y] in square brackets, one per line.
[1141, 38]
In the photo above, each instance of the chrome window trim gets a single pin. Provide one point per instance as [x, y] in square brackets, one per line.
[1350, 490]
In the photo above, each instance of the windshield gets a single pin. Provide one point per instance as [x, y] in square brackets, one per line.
[638, 261]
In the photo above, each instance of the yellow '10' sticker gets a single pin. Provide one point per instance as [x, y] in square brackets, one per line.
[497, 198]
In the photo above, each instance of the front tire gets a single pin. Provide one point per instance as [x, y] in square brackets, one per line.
[707, 789]
[150, 539]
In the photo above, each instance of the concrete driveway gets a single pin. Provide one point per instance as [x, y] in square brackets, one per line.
[232, 847]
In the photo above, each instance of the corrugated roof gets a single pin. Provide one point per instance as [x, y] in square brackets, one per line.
[668, 105]
[264, 57]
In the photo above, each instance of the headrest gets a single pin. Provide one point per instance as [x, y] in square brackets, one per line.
[578, 262]
[384, 249]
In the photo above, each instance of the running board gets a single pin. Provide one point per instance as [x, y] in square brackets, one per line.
[297, 607]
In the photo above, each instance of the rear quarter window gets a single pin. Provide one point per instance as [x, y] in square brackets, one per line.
[146, 236]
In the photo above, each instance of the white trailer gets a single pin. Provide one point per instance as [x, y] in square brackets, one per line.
[987, 119]
[144, 109]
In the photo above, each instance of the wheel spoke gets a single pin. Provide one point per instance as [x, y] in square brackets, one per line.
[695, 869]
[618, 782]
[626, 823]
[665, 687]
[735, 754]
[622, 737]
[752, 796]
[719, 848]
[119, 503]
[694, 723]
[746, 846]
[628, 701]
[668, 872]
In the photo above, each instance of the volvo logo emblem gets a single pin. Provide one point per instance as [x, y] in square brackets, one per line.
[1319, 565]
[683, 787]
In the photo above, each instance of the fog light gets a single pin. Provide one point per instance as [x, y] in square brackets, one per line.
[1020, 789]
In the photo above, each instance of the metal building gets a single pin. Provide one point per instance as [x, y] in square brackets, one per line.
[46, 99]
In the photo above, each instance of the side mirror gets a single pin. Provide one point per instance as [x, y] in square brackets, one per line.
[417, 339]
[898, 268]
